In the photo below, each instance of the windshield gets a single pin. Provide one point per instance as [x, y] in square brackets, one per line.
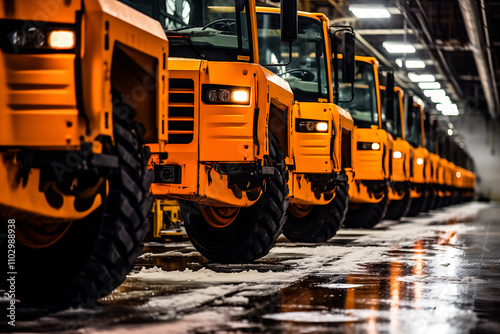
[363, 107]
[306, 72]
[391, 124]
[414, 127]
[202, 29]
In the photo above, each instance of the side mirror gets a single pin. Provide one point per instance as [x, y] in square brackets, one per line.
[427, 122]
[348, 63]
[389, 86]
[289, 21]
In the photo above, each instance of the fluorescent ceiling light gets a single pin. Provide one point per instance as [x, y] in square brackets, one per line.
[393, 47]
[434, 92]
[418, 100]
[441, 99]
[421, 78]
[411, 63]
[429, 85]
[369, 11]
[449, 110]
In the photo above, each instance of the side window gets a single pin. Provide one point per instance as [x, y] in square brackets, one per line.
[177, 14]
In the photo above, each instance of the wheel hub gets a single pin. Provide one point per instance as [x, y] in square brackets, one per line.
[299, 210]
[220, 217]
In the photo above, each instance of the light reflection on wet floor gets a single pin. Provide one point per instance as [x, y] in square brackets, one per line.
[438, 273]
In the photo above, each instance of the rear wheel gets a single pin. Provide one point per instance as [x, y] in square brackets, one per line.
[367, 215]
[86, 259]
[239, 235]
[317, 223]
[398, 209]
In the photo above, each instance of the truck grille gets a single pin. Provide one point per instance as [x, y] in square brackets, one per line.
[180, 111]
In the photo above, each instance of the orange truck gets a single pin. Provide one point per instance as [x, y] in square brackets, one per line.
[80, 83]
[416, 137]
[372, 147]
[227, 128]
[434, 160]
[402, 156]
[321, 132]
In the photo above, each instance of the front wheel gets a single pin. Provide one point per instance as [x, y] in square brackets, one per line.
[398, 209]
[317, 223]
[418, 204]
[84, 260]
[367, 215]
[241, 235]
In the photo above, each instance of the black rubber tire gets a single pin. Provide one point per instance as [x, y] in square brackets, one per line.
[431, 199]
[437, 203]
[417, 205]
[322, 222]
[255, 229]
[398, 209]
[97, 252]
[367, 215]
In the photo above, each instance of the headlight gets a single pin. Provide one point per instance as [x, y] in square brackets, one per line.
[397, 155]
[368, 146]
[420, 161]
[221, 94]
[42, 37]
[61, 39]
[310, 125]
[459, 174]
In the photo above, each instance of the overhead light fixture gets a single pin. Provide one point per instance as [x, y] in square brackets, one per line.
[418, 100]
[429, 85]
[441, 99]
[421, 78]
[434, 92]
[411, 63]
[369, 11]
[394, 47]
[449, 109]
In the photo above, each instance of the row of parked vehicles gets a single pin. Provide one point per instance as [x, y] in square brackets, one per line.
[256, 120]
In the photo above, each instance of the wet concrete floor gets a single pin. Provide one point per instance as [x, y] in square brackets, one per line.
[437, 273]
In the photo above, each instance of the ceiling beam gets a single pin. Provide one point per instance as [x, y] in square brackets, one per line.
[484, 67]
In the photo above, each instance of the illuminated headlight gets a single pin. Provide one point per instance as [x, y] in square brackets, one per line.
[397, 155]
[42, 38]
[242, 96]
[420, 161]
[309, 125]
[368, 146]
[218, 94]
[61, 39]
[459, 174]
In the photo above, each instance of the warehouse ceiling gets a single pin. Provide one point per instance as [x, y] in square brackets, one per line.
[457, 40]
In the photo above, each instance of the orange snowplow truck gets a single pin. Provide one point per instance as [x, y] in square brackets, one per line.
[371, 149]
[416, 137]
[433, 165]
[228, 128]
[402, 157]
[77, 79]
[320, 131]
